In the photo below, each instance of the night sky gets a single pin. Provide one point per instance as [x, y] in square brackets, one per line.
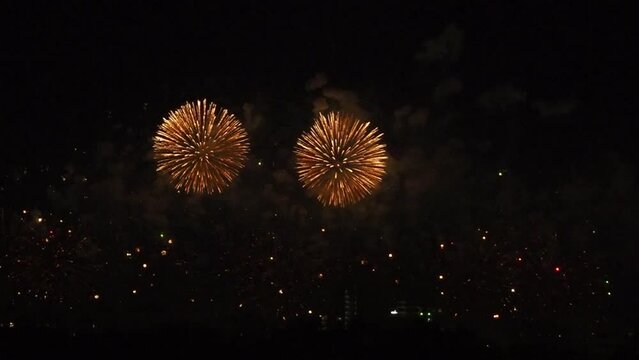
[507, 217]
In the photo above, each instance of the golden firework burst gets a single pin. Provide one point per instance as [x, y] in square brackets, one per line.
[340, 159]
[201, 147]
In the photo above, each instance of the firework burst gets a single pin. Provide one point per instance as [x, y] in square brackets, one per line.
[201, 147]
[340, 159]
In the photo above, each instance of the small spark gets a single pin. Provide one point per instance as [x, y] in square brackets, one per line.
[390, 255]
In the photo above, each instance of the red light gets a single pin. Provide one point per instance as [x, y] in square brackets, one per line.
[557, 269]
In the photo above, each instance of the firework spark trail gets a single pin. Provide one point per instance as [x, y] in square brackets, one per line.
[201, 147]
[340, 159]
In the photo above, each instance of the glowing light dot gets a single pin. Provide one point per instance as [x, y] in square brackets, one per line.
[500, 173]
[390, 255]
[320, 275]
[421, 313]
[24, 211]
[163, 252]
[11, 324]
[441, 277]
[607, 282]
[393, 312]
[441, 246]
[310, 312]
[512, 290]
[323, 230]
[271, 258]
[96, 296]
[134, 292]
[557, 269]
[128, 254]
[259, 163]
[144, 266]
[161, 235]
[280, 291]
[609, 293]
[441, 293]
[137, 249]
[39, 219]
[495, 316]
[170, 241]
[518, 259]
[240, 305]
[483, 237]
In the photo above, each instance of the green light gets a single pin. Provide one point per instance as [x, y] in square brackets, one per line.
[161, 235]
[428, 314]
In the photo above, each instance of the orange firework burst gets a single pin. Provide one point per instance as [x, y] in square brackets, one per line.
[340, 159]
[201, 147]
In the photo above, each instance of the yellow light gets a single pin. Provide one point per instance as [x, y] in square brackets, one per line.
[390, 255]
[96, 296]
[170, 241]
[495, 316]
[163, 252]
[144, 266]
[200, 147]
[441, 277]
[323, 230]
[310, 312]
[340, 159]
[271, 258]
[128, 254]
[39, 219]
[134, 292]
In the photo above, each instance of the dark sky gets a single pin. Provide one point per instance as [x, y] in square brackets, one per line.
[63, 66]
